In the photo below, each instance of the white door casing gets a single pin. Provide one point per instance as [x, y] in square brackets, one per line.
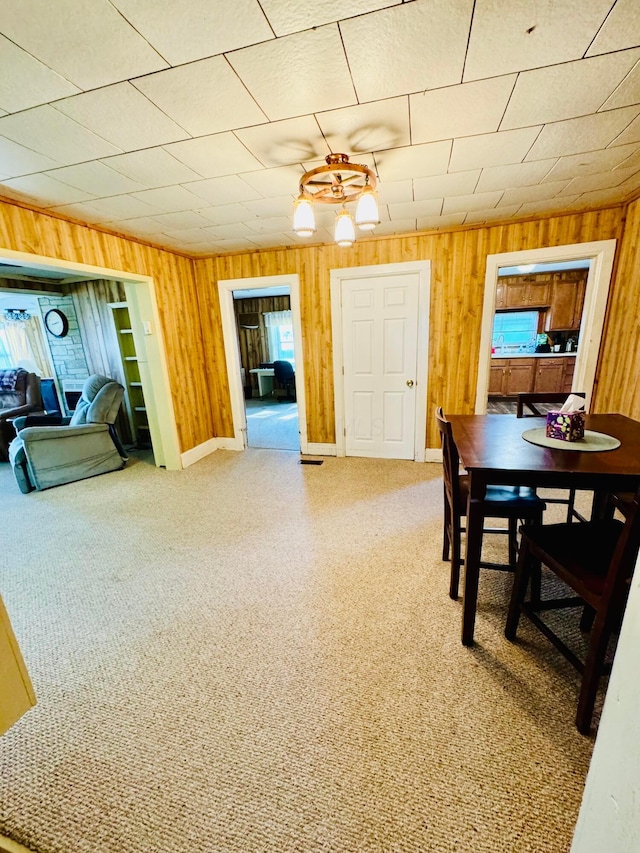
[380, 341]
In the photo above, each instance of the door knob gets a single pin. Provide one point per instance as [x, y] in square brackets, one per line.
[410, 383]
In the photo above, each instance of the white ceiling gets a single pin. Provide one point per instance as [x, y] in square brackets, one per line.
[189, 124]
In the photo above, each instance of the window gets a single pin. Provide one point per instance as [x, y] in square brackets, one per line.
[280, 336]
[514, 331]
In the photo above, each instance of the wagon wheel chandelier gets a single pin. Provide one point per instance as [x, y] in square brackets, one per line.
[339, 182]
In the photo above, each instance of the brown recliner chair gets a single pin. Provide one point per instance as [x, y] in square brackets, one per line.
[19, 395]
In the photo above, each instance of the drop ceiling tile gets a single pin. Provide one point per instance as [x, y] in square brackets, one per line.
[274, 182]
[123, 207]
[280, 143]
[464, 110]
[271, 71]
[228, 232]
[234, 244]
[276, 241]
[267, 226]
[367, 127]
[517, 175]
[395, 226]
[428, 223]
[82, 212]
[632, 160]
[630, 134]
[599, 198]
[95, 178]
[459, 183]
[620, 30]
[42, 191]
[222, 191]
[417, 161]
[577, 135]
[394, 192]
[47, 131]
[123, 116]
[181, 219]
[475, 201]
[170, 199]
[628, 92]
[187, 235]
[566, 91]
[291, 16]
[86, 41]
[201, 29]
[144, 225]
[589, 163]
[17, 160]
[603, 181]
[225, 214]
[493, 214]
[416, 46]
[556, 205]
[522, 195]
[152, 168]
[269, 207]
[492, 149]
[25, 82]
[414, 209]
[530, 35]
[203, 97]
[214, 156]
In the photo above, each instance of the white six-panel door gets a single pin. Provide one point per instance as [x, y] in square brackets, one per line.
[379, 338]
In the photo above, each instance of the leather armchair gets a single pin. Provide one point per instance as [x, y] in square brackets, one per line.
[45, 455]
[19, 395]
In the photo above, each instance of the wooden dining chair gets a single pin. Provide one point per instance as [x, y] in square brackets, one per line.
[510, 502]
[596, 560]
[527, 407]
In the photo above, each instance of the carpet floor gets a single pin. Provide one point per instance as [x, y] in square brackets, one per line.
[254, 655]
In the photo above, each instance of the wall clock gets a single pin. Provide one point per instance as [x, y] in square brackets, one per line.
[56, 323]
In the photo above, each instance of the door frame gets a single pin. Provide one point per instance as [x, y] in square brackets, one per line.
[232, 352]
[149, 341]
[423, 269]
[601, 253]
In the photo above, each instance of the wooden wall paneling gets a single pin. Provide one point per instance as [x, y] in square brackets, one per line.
[458, 263]
[25, 230]
[618, 388]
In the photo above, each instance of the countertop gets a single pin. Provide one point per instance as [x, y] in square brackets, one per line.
[534, 355]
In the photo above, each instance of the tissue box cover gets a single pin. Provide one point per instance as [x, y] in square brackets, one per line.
[566, 426]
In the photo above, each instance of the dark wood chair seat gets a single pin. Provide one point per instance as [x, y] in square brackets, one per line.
[596, 561]
[510, 502]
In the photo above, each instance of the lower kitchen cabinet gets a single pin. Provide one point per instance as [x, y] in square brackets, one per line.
[549, 375]
[511, 376]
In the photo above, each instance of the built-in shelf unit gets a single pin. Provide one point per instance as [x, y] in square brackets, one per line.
[134, 397]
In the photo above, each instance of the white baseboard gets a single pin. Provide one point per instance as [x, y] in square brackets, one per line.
[199, 452]
[229, 443]
[321, 449]
[433, 454]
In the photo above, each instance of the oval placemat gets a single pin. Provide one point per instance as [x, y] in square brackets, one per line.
[592, 441]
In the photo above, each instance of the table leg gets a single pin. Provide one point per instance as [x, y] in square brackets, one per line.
[475, 519]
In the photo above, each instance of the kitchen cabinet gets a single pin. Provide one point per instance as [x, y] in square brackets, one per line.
[565, 311]
[529, 294]
[501, 295]
[511, 376]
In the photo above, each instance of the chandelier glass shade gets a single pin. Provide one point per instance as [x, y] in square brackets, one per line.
[339, 182]
[16, 314]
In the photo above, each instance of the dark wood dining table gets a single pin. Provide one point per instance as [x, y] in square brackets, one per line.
[493, 452]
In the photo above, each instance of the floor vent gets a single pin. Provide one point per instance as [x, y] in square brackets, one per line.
[311, 461]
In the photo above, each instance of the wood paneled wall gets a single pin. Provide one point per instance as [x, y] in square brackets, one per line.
[26, 230]
[618, 385]
[458, 263]
[253, 342]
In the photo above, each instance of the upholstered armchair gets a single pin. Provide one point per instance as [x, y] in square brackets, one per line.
[19, 395]
[52, 451]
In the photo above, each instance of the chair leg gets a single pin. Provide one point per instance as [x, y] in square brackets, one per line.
[447, 528]
[592, 671]
[520, 583]
[587, 617]
[455, 536]
[570, 505]
[513, 542]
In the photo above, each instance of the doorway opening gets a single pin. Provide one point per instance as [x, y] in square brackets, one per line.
[139, 295]
[566, 287]
[262, 336]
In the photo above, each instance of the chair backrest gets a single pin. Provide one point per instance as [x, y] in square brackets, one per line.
[18, 387]
[283, 371]
[450, 463]
[529, 401]
[621, 567]
[99, 403]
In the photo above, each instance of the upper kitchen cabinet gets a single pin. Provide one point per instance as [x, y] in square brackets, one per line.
[567, 301]
[527, 294]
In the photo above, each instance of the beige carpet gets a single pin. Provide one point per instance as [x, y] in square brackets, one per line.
[257, 655]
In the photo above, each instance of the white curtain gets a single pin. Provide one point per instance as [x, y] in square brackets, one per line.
[20, 347]
[279, 326]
